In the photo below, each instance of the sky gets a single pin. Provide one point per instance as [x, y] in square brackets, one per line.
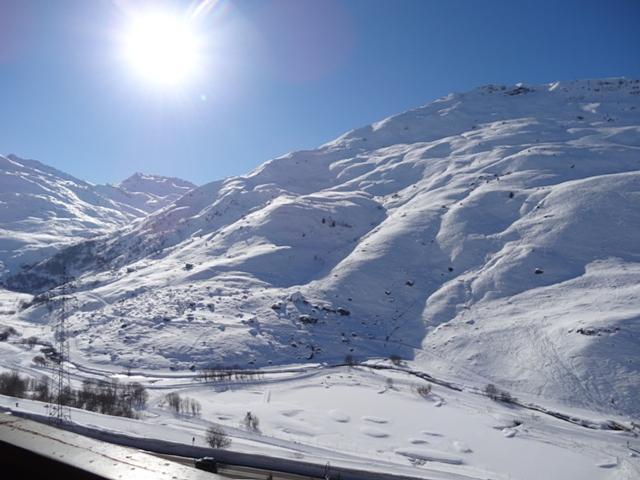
[273, 76]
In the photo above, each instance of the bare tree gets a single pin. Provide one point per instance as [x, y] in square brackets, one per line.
[251, 422]
[173, 400]
[217, 438]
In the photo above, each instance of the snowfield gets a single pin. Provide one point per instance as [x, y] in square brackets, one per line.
[360, 418]
[491, 236]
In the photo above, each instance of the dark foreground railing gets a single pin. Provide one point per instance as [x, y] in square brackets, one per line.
[34, 450]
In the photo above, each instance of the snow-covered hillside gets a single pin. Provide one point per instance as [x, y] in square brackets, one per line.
[492, 235]
[43, 209]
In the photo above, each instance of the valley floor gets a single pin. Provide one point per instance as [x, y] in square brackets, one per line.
[361, 418]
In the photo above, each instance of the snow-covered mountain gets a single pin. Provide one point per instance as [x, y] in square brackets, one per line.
[492, 235]
[147, 193]
[42, 209]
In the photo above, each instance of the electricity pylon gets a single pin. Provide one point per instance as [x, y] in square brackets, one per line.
[59, 411]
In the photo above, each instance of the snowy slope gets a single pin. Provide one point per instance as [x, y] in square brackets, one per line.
[43, 209]
[491, 235]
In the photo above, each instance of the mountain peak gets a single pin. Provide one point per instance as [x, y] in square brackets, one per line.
[157, 185]
[43, 209]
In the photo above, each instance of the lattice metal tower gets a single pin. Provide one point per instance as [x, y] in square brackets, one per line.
[59, 411]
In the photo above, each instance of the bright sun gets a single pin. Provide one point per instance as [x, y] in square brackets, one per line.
[162, 48]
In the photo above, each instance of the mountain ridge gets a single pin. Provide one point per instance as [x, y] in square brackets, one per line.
[43, 209]
[448, 235]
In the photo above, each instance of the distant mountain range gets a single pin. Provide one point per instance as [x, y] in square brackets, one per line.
[42, 209]
[492, 235]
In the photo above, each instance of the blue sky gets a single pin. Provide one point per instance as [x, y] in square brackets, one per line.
[276, 76]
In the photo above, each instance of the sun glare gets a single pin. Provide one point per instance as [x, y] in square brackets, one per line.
[162, 48]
